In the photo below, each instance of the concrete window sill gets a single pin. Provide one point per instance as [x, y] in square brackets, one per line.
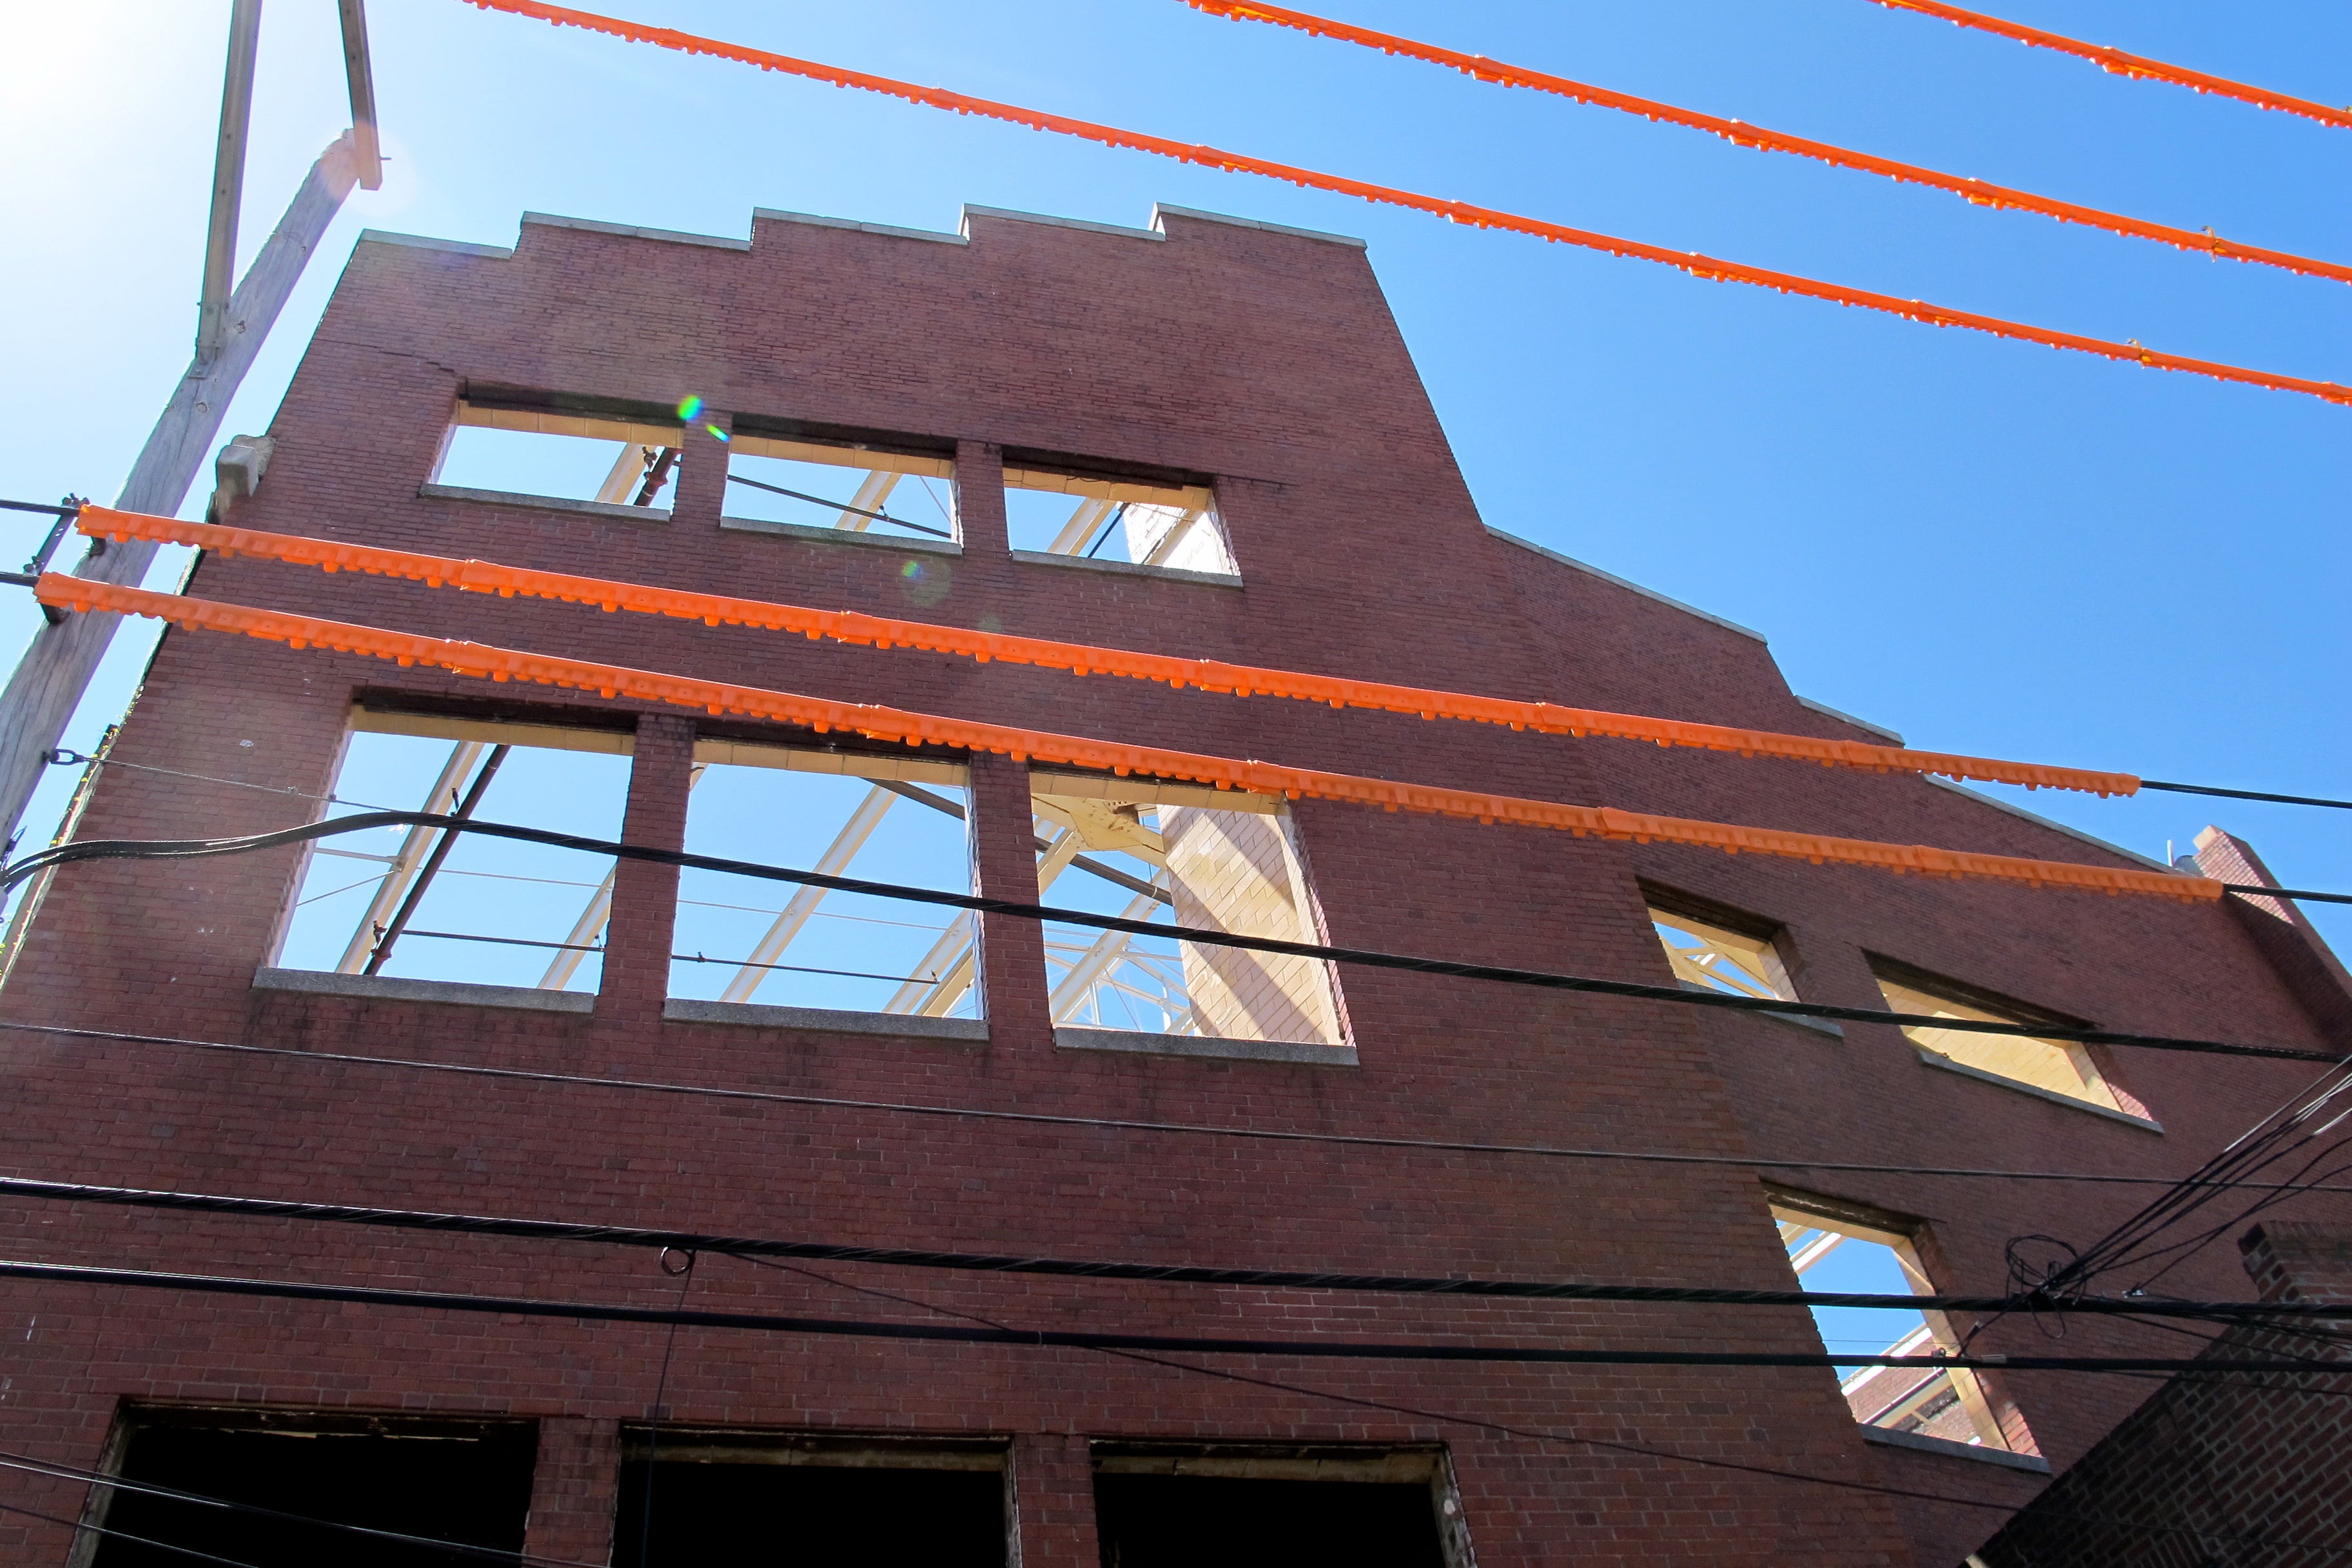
[2033, 1464]
[1829, 1026]
[546, 503]
[825, 1021]
[1135, 1042]
[1947, 1064]
[457, 993]
[920, 543]
[1127, 568]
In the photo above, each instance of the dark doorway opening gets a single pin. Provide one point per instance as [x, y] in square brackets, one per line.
[1223, 1522]
[783, 1503]
[463, 1481]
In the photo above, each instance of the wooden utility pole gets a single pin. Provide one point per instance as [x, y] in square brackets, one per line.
[56, 669]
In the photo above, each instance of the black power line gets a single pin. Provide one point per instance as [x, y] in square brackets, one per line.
[60, 1471]
[1158, 1273]
[1071, 1339]
[840, 506]
[2245, 794]
[102, 849]
[1121, 1124]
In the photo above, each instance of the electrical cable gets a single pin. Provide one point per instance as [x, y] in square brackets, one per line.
[753, 1248]
[2138, 67]
[1095, 1123]
[1692, 262]
[1570, 1439]
[2245, 794]
[1977, 193]
[1068, 1338]
[856, 629]
[80, 1525]
[680, 957]
[58, 1470]
[876, 721]
[116, 850]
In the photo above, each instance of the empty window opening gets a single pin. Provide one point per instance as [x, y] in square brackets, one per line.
[886, 817]
[567, 457]
[1711, 957]
[467, 1482]
[1116, 519]
[1303, 1509]
[1845, 1254]
[425, 903]
[697, 1500]
[848, 488]
[1187, 854]
[2060, 1067]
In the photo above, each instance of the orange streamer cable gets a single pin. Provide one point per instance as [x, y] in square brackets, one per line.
[1747, 135]
[2133, 66]
[1689, 261]
[897, 725]
[1208, 674]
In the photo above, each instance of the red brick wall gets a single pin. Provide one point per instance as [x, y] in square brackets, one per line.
[1270, 362]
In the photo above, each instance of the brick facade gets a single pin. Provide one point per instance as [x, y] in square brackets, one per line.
[1264, 362]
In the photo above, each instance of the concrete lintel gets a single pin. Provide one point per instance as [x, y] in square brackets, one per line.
[1843, 717]
[840, 536]
[773, 215]
[630, 231]
[545, 503]
[425, 242]
[971, 212]
[1128, 568]
[1936, 1059]
[389, 988]
[1133, 1042]
[1162, 209]
[1591, 571]
[825, 1021]
[2038, 820]
[1919, 1443]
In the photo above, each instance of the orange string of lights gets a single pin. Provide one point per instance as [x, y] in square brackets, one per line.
[2135, 65]
[1690, 261]
[1746, 135]
[477, 660]
[1207, 675]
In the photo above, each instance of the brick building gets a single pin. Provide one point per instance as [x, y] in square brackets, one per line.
[1230, 407]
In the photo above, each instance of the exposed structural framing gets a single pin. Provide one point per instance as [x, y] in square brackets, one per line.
[881, 472]
[1175, 526]
[56, 669]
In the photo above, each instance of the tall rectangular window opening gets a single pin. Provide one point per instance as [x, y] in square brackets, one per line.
[1835, 1251]
[882, 816]
[455, 1480]
[781, 483]
[1186, 855]
[692, 1499]
[616, 459]
[2057, 1067]
[1095, 519]
[429, 903]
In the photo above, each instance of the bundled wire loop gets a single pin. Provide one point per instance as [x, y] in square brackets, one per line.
[897, 725]
[1079, 658]
[2138, 67]
[1692, 261]
[1740, 132]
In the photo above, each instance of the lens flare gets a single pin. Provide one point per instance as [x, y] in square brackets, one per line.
[689, 409]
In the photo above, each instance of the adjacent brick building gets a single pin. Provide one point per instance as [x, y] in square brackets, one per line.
[1204, 356]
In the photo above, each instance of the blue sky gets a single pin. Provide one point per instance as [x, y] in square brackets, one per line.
[1988, 547]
